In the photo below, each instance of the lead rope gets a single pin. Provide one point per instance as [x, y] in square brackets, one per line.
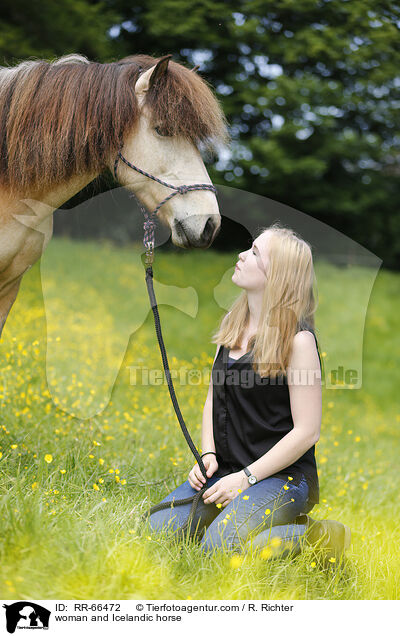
[196, 497]
[149, 226]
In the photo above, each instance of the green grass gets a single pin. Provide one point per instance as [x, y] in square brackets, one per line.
[87, 305]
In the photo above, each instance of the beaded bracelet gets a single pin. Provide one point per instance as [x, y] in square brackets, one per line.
[209, 453]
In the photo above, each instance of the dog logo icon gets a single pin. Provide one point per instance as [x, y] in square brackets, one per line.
[26, 615]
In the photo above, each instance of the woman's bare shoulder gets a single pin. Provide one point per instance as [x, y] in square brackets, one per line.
[304, 349]
[304, 335]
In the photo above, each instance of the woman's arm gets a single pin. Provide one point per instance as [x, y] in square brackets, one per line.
[207, 434]
[304, 380]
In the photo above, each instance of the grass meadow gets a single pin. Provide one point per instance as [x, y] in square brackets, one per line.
[84, 451]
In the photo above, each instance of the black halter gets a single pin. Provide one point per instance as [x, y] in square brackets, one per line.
[149, 223]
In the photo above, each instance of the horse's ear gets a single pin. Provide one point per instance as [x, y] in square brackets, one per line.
[150, 77]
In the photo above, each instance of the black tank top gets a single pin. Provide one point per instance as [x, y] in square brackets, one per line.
[250, 415]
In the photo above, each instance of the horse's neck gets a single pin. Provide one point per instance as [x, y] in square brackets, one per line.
[45, 203]
[26, 224]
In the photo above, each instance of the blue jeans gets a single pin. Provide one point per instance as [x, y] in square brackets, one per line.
[260, 515]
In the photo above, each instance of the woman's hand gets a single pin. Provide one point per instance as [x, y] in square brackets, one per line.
[196, 479]
[226, 489]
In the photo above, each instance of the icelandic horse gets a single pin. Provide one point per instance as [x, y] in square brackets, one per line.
[63, 123]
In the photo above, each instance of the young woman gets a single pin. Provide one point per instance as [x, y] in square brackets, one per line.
[262, 415]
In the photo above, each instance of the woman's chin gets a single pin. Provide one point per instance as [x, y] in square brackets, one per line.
[234, 279]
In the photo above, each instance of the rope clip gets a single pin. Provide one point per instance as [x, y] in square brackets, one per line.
[149, 253]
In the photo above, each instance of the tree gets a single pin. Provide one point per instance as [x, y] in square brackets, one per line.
[50, 29]
[311, 90]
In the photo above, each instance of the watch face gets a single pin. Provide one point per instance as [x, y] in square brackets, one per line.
[252, 479]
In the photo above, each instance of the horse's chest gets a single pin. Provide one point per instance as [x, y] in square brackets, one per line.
[21, 246]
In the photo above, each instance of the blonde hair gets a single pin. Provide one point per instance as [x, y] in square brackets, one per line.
[288, 304]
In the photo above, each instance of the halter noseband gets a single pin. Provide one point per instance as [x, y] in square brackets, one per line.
[149, 223]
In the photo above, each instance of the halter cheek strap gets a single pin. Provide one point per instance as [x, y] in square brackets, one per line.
[149, 223]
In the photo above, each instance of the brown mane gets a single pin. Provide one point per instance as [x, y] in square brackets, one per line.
[67, 117]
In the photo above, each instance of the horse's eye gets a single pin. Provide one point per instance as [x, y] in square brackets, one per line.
[160, 132]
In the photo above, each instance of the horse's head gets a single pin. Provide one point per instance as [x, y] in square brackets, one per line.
[163, 146]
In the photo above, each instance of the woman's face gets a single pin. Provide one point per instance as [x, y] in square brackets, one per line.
[250, 270]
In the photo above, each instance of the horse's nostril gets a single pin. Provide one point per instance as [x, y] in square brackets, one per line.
[179, 227]
[209, 227]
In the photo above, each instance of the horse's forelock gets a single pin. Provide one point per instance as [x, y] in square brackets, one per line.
[183, 104]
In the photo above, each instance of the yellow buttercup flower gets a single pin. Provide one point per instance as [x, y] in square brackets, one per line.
[236, 561]
[95, 486]
[285, 487]
[266, 553]
[290, 478]
[218, 505]
[267, 512]
[63, 471]
[246, 497]
[48, 458]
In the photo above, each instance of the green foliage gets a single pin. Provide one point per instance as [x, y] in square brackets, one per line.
[51, 29]
[311, 92]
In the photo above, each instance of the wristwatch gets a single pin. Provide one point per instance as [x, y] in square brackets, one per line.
[252, 479]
